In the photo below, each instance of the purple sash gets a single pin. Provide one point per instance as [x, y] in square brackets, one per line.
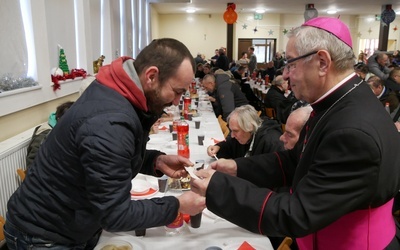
[372, 228]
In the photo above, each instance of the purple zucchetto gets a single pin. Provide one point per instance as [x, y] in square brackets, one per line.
[333, 26]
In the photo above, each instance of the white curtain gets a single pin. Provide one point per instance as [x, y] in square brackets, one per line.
[13, 52]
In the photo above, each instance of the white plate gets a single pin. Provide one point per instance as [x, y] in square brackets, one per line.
[122, 241]
[140, 186]
[153, 186]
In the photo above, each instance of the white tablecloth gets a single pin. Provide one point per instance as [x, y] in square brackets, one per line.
[214, 231]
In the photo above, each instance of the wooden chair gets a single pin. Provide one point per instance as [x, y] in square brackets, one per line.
[286, 243]
[223, 124]
[21, 173]
[220, 120]
[270, 112]
[226, 132]
[2, 222]
[283, 127]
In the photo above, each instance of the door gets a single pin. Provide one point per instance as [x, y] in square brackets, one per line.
[263, 48]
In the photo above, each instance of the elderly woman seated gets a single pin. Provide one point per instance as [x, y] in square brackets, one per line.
[250, 135]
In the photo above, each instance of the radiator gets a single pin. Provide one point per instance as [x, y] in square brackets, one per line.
[12, 157]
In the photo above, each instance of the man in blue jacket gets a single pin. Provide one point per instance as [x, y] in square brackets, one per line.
[80, 180]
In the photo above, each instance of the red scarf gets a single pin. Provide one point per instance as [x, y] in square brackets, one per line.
[114, 76]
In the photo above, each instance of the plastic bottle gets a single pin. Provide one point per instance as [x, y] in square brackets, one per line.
[183, 138]
[387, 107]
[175, 227]
[266, 79]
[186, 106]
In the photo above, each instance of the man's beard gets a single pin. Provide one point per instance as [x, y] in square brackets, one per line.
[155, 102]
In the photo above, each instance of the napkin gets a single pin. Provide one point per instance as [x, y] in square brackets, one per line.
[246, 246]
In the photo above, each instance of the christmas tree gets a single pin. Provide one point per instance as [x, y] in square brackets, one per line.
[62, 64]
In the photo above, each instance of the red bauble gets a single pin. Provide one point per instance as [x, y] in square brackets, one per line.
[230, 16]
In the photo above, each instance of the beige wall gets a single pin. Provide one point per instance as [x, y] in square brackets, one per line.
[18, 122]
[200, 33]
[204, 33]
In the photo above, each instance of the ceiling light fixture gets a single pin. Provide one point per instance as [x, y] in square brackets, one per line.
[190, 10]
[331, 12]
[260, 11]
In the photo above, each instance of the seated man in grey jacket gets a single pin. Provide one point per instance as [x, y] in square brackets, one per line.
[227, 94]
[377, 65]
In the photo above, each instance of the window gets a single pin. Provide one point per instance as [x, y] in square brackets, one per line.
[369, 46]
[263, 49]
[14, 54]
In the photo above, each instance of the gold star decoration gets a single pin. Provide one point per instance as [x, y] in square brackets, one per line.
[244, 26]
[285, 31]
[359, 34]
[270, 32]
[255, 29]
[369, 30]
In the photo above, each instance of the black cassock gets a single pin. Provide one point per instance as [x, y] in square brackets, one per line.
[351, 162]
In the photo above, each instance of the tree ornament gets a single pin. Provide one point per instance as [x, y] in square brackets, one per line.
[56, 71]
[62, 62]
[388, 15]
[230, 15]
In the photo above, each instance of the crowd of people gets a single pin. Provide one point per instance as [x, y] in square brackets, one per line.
[330, 173]
[382, 72]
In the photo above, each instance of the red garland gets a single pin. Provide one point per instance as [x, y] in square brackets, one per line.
[74, 73]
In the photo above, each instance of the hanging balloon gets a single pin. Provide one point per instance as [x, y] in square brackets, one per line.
[230, 15]
[388, 15]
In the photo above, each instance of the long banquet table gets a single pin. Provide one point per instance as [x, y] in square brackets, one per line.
[214, 231]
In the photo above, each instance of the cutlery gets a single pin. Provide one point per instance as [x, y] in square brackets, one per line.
[215, 156]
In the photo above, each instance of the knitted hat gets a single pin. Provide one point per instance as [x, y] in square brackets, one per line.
[333, 26]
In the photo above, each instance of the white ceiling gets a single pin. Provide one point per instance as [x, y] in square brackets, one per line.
[344, 7]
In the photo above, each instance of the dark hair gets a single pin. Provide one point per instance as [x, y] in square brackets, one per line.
[166, 54]
[279, 71]
[360, 67]
[62, 108]
[206, 65]
[375, 81]
[241, 67]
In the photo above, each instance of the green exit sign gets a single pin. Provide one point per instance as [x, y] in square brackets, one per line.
[258, 16]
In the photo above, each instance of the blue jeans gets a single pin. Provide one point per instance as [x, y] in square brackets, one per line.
[19, 240]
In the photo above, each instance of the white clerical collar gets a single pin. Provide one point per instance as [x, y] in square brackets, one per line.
[335, 87]
[383, 92]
